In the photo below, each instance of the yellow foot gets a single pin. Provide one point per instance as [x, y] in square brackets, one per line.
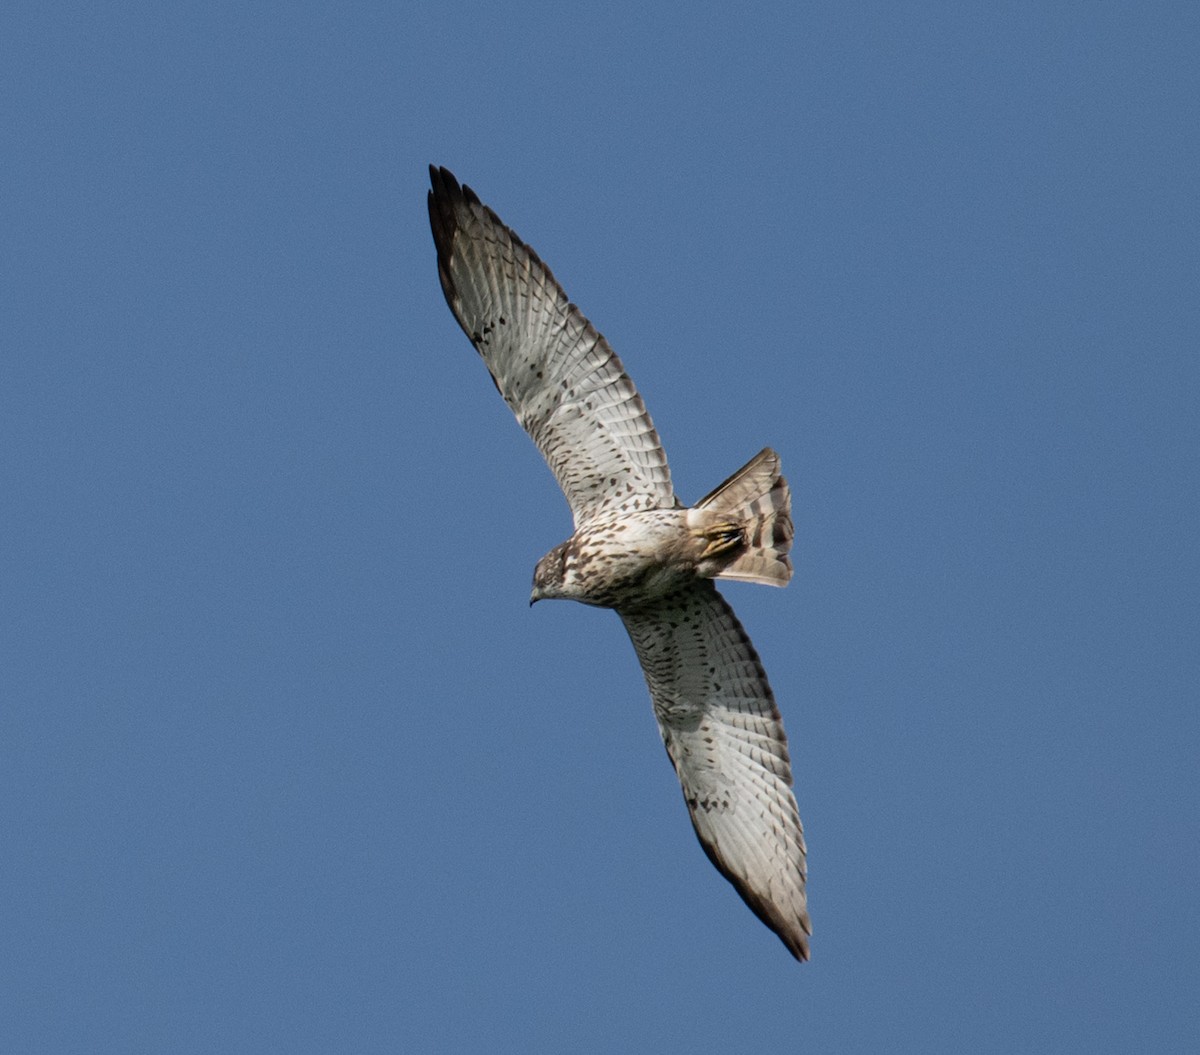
[721, 538]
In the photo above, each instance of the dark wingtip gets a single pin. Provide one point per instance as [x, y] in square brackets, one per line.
[445, 192]
[794, 934]
[446, 195]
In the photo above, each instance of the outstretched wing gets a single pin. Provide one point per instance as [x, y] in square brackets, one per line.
[723, 732]
[564, 383]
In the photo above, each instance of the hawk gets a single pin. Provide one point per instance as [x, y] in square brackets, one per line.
[639, 550]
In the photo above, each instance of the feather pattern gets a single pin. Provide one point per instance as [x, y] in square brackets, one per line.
[559, 376]
[723, 733]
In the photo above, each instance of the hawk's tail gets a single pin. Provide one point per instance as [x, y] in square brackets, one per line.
[747, 524]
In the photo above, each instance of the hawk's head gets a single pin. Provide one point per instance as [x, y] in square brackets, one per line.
[551, 577]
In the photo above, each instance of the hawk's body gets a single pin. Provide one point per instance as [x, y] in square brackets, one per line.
[638, 550]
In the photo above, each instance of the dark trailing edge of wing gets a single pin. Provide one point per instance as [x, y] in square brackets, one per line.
[761, 907]
[796, 939]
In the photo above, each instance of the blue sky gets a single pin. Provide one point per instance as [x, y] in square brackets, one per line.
[286, 762]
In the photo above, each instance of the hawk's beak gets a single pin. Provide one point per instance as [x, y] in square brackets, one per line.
[535, 597]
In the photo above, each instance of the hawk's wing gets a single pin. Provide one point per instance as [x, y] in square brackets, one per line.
[564, 383]
[723, 732]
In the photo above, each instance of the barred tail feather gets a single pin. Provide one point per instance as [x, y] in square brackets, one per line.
[756, 504]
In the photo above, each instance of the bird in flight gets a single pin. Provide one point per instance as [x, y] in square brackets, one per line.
[639, 550]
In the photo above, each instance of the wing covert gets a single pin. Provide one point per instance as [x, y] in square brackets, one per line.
[559, 376]
[724, 735]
